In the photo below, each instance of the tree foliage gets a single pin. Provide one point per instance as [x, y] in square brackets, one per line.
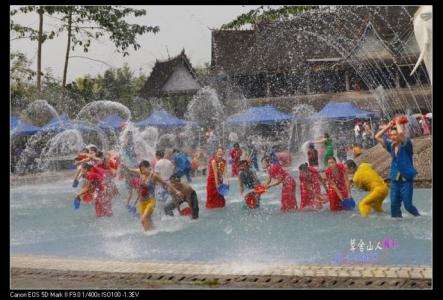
[93, 22]
[266, 14]
[28, 32]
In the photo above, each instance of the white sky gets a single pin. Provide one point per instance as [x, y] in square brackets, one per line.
[184, 26]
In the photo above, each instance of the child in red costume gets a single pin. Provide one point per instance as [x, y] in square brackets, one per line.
[217, 171]
[276, 172]
[338, 184]
[235, 154]
[310, 191]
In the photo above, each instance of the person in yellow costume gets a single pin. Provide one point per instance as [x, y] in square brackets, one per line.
[366, 178]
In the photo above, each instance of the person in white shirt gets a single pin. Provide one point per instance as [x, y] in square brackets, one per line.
[164, 168]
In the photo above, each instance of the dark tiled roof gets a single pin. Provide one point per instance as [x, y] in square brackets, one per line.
[326, 34]
[161, 73]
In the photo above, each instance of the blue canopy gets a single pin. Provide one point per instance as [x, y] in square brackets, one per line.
[63, 118]
[24, 128]
[343, 111]
[14, 121]
[112, 121]
[64, 123]
[259, 115]
[163, 119]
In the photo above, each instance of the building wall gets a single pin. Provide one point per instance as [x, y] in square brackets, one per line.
[181, 80]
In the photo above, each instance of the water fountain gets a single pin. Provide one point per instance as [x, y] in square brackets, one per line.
[43, 222]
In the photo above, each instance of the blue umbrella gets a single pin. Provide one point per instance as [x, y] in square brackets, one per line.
[13, 122]
[113, 121]
[24, 128]
[64, 123]
[343, 111]
[162, 119]
[259, 115]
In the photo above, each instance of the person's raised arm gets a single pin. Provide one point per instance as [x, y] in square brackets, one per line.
[379, 135]
[132, 171]
[79, 162]
[322, 140]
[167, 185]
[278, 180]
[400, 131]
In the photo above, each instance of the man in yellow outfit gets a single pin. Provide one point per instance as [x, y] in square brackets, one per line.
[366, 178]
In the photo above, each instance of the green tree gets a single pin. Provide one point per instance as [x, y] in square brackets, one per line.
[21, 81]
[86, 23]
[39, 35]
[266, 14]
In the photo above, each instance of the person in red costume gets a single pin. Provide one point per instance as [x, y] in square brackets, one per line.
[310, 191]
[217, 171]
[95, 182]
[235, 154]
[276, 176]
[338, 184]
[103, 205]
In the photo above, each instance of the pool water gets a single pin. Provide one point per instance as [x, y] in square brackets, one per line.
[43, 222]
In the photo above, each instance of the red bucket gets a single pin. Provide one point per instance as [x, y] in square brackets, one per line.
[87, 197]
[260, 189]
[403, 119]
[186, 211]
[251, 200]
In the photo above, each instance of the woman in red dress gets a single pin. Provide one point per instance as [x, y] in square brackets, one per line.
[235, 154]
[95, 183]
[217, 170]
[310, 180]
[103, 206]
[338, 184]
[276, 173]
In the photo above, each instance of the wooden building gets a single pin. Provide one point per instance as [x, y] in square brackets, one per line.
[174, 81]
[321, 51]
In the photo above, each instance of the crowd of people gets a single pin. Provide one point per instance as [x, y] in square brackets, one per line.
[158, 183]
[337, 184]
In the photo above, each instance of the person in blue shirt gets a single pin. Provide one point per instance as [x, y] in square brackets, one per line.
[182, 164]
[402, 168]
[273, 155]
[253, 154]
[247, 179]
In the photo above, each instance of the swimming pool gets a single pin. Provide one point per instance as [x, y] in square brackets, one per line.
[43, 222]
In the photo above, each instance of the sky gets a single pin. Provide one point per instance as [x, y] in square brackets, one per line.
[181, 27]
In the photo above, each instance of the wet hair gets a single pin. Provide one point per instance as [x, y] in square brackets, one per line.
[351, 164]
[327, 135]
[266, 158]
[144, 164]
[87, 167]
[244, 161]
[303, 167]
[311, 146]
[93, 149]
[100, 154]
[160, 153]
[333, 158]
[174, 177]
